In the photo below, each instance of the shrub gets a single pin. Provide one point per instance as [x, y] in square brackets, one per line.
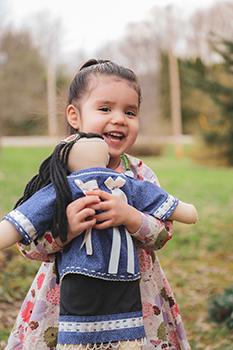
[221, 308]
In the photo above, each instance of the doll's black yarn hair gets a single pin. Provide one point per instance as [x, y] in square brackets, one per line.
[54, 170]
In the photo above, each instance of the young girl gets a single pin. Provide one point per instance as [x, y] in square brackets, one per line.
[105, 98]
[107, 255]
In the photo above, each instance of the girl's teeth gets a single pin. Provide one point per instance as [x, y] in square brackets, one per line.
[115, 134]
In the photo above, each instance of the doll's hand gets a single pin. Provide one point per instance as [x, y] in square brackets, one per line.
[115, 212]
[80, 215]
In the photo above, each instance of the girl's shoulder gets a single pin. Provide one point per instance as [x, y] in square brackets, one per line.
[141, 170]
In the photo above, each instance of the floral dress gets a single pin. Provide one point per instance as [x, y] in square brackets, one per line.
[37, 322]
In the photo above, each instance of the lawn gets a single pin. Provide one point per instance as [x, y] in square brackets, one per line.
[198, 260]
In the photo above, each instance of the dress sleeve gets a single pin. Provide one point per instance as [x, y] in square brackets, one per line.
[43, 249]
[153, 233]
[149, 198]
[33, 217]
[37, 243]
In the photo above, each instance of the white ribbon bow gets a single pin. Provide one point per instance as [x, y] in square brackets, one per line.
[86, 186]
[112, 184]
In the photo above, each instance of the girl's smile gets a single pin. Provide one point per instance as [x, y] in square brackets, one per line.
[110, 108]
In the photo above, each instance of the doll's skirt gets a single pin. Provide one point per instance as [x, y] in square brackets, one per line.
[96, 312]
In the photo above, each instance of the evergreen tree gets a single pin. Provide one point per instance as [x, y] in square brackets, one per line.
[216, 81]
[223, 96]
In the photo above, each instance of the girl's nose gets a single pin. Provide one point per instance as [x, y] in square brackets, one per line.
[118, 118]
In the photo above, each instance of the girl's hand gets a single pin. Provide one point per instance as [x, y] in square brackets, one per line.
[115, 212]
[80, 215]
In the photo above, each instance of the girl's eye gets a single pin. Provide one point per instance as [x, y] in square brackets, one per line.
[104, 109]
[131, 114]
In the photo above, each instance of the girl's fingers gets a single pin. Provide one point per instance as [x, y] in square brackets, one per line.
[87, 224]
[103, 225]
[101, 194]
[105, 205]
[79, 204]
[79, 221]
[95, 206]
[85, 214]
[103, 216]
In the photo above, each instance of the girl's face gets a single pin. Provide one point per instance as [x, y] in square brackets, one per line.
[110, 108]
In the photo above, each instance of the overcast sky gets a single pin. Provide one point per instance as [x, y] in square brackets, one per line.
[88, 24]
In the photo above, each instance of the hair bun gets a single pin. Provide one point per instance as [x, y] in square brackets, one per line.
[92, 62]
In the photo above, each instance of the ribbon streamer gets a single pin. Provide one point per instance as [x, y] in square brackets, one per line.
[85, 187]
[115, 251]
[130, 256]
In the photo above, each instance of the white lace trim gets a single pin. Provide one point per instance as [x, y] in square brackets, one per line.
[95, 274]
[95, 172]
[165, 208]
[100, 326]
[128, 344]
[17, 218]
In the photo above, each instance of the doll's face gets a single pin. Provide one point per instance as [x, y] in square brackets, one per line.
[88, 153]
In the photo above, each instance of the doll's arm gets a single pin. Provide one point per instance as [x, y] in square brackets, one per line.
[154, 200]
[8, 235]
[185, 213]
[34, 216]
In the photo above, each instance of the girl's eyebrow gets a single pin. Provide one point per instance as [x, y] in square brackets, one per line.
[133, 106]
[104, 102]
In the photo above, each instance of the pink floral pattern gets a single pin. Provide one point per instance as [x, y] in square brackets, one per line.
[40, 280]
[36, 325]
[53, 295]
[26, 311]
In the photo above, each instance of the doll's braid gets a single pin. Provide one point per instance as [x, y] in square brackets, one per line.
[38, 181]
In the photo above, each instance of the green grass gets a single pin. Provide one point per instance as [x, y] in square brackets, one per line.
[17, 166]
[197, 261]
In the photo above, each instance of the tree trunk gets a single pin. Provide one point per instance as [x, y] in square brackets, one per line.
[175, 102]
[51, 99]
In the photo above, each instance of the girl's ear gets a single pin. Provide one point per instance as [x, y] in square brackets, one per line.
[73, 116]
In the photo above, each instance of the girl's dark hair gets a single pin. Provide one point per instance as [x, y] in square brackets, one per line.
[79, 84]
[54, 170]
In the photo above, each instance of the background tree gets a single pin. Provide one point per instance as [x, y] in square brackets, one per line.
[47, 36]
[22, 85]
[214, 82]
[215, 19]
[221, 91]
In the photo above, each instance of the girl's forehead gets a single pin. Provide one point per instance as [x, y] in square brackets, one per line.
[99, 79]
[105, 84]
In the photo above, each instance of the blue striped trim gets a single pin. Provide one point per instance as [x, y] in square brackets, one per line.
[103, 337]
[100, 328]
[26, 239]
